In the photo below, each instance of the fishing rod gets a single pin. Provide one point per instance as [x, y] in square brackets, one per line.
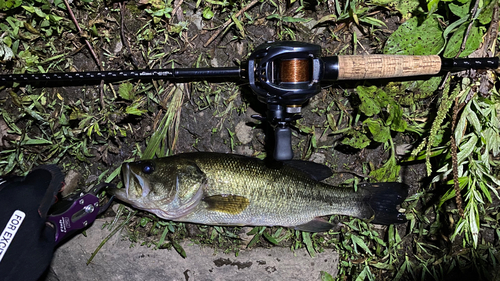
[284, 75]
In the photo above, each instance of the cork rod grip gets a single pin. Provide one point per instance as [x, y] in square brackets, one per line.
[386, 66]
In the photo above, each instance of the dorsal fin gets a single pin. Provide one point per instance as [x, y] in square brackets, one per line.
[314, 170]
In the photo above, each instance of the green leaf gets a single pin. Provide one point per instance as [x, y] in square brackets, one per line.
[40, 13]
[472, 118]
[207, 13]
[379, 131]
[474, 40]
[162, 238]
[460, 10]
[414, 39]
[126, 91]
[395, 119]
[29, 9]
[6, 53]
[372, 21]
[325, 276]
[474, 224]
[179, 249]
[432, 5]
[270, 238]
[292, 19]
[467, 148]
[306, 238]
[239, 25]
[486, 13]
[462, 182]
[134, 109]
[485, 191]
[144, 221]
[9, 4]
[405, 7]
[55, 18]
[369, 105]
[34, 114]
[385, 266]
[418, 89]
[388, 172]
[36, 141]
[330, 17]
[116, 172]
[356, 139]
[254, 231]
[358, 241]
[273, 16]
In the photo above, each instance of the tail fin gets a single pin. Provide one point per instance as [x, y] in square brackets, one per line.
[383, 199]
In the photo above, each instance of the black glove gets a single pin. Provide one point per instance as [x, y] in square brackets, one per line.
[27, 241]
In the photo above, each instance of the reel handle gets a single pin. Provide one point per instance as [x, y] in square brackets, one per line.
[360, 67]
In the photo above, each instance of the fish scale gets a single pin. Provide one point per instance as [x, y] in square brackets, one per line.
[273, 192]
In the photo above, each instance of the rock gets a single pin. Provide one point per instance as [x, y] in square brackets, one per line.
[243, 132]
[71, 182]
[195, 19]
[117, 260]
[317, 158]
[244, 150]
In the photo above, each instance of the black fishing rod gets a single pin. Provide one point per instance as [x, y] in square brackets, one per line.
[284, 75]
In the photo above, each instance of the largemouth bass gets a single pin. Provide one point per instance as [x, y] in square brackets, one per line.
[225, 189]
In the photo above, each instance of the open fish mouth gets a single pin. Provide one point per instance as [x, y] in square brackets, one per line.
[135, 186]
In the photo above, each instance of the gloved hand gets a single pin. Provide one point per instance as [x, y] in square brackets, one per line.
[27, 240]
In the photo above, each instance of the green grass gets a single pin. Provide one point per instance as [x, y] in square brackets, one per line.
[93, 130]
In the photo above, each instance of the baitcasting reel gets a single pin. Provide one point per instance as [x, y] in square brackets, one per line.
[284, 75]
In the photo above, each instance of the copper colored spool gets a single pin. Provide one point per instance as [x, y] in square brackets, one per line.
[295, 70]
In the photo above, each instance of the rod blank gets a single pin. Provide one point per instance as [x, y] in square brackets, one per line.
[171, 74]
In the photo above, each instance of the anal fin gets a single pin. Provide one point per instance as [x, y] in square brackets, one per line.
[315, 225]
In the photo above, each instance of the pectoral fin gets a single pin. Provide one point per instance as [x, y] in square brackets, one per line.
[227, 203]
[315, 225]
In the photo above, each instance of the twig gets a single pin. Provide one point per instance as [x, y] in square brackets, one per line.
[130, 215]
[493, 32]
[72, 16]
[101, 94]
[122, 34]
[176, 8]
[472, 12]
[229, 21]
[488, 47]
[464, 41]
[91, 50]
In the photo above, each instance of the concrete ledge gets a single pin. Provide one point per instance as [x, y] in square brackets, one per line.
[117, 261]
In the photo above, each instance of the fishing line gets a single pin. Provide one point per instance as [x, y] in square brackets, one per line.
[295, 70]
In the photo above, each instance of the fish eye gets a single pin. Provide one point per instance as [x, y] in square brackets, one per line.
[148, 168]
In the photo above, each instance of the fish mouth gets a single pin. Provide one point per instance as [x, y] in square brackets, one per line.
[135, 185]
